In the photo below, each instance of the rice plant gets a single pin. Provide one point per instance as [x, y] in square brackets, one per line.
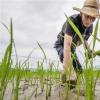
[42, 81]
[88, 78]
[5, 65]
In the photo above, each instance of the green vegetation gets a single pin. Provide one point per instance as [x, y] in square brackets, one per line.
[44, 78]
[88, 78]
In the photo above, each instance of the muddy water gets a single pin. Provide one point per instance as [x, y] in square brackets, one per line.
[58, 92]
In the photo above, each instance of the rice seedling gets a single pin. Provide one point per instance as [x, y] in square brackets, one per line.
[18, 74]
[6, 64]
[88, 77]
[42, 80]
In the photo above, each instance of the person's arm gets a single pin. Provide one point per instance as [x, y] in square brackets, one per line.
[67, 51]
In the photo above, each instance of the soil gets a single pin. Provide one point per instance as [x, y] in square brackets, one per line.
[32, 88]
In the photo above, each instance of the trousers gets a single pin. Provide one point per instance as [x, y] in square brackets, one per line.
[76, 64]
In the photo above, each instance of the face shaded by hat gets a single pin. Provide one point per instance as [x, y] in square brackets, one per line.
[90, 7]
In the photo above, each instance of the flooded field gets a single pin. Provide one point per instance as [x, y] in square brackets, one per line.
[32, 90]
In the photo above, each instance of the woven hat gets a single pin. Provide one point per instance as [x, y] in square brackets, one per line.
[90, 7]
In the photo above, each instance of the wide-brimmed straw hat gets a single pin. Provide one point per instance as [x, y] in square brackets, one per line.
[90, 7]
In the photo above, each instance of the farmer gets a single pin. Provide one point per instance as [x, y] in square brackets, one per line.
[67, 38]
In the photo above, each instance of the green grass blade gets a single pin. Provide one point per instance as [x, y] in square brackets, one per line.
[76, 30]
[96, 38]
[95, 34]
[42, 50]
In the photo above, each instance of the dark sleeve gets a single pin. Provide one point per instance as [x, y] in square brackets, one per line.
[69, 30]
[60, 38]
[59, 44]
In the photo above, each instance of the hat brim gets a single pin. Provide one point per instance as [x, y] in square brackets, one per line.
[87, 12]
